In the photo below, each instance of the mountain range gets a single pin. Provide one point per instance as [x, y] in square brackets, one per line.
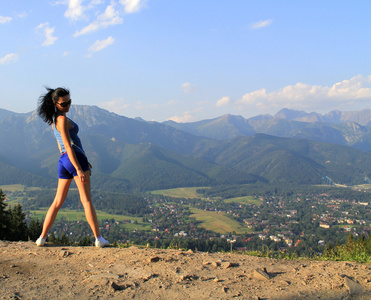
[291, 147]
[342, 128]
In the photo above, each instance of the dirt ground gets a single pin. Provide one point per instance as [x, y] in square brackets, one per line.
[31, 272]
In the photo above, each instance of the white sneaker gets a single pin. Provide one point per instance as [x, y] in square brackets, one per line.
[101, 242]
[40, 241]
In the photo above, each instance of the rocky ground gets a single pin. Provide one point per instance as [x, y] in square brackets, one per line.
[30, 272]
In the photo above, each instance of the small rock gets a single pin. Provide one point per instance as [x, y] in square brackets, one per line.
[188, 277]
[64, 253]
[207, 278]
[354, 288]
[260, 274]
[227, 265]
[238, 294]
[148, 277]
[224, 289]
[117, 287]
[215, 264]
[154, 259]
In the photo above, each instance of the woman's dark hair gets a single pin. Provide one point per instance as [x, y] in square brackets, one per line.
[46, 108]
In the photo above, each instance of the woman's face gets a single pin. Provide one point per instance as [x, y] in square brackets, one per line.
[63, 104]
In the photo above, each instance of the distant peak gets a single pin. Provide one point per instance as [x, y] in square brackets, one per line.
[298, 115]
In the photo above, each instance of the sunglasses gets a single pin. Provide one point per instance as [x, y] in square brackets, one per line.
[64, 104]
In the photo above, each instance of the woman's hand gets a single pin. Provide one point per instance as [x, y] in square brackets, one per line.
[81, 175]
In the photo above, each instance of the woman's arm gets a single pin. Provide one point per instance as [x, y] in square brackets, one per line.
[59, 146]
[63, 126]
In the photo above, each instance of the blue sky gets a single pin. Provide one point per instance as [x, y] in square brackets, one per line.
[188, 60]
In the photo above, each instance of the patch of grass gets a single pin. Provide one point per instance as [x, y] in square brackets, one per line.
[13, 188]
[18, 188]
[217, 222]
[13, 202]
[185, 192]
[347, 225]
[363, 186]
[244, 200]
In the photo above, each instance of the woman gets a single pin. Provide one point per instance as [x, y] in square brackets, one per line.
[73, 164]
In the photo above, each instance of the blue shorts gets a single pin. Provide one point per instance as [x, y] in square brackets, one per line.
[66, 170]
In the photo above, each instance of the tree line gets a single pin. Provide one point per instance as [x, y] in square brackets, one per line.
[13, 226]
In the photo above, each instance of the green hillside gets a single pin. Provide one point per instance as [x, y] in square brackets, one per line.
[292, 160]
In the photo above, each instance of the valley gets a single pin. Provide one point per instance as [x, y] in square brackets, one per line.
[300, 221]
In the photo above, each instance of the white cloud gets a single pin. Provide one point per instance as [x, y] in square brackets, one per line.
[75, 10]
[117, 105]
[187, 117]
[110, 17]
[261, 24]
[132, 6]
[12, 57]
[48, 33]
[223, 101]
[100, 45]
[96, 2]
[22, 15]
[188, 88]
[4, 20]
[313, 97]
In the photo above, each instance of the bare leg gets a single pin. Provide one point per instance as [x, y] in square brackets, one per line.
[85, 197]
[62, 190]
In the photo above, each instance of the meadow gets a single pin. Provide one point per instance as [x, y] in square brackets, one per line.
[190, 192]
[184, 192]
[217, 221]
[17, 188]
[244, 200]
